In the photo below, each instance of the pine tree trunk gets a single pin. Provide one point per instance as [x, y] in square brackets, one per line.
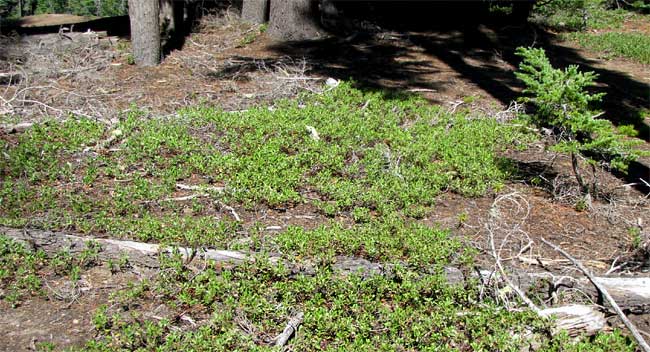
[294, 19]
[255, 11]
[576, 172]
[145, 31]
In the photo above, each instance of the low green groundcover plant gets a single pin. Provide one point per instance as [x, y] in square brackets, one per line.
[344, 151]
[243, 308]
[375, 159]
[635, 46]
[21, 270]
[578, 15]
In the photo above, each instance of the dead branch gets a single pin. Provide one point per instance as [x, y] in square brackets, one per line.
[601, 288]
[421, 90]
[289, 330]
[509, 282]
[10, 77]
[185, 187]
[496, 223]
[576, 319]
[231, 209]
[177, 199]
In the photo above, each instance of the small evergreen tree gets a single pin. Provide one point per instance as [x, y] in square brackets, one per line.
[113, 8]
[83, 7]
[564, 106]
[50, 6]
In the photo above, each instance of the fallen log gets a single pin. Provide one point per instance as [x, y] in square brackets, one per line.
[144, 254]
[10, 77]
[602, 290]
[576, 319]
[17, 128]
[631, 293]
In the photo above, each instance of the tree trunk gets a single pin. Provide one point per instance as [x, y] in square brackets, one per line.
[145, 31]
[521, 10]
[329, 15]
[294, 19]
[255, 11]
[576, 172]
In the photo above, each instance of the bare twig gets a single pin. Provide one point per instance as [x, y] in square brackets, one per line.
[421, 90]
[177, 199]
[455, 105]
[231, 209]
[635, 332]
[289, 330]
[505, 277]
[185, 187]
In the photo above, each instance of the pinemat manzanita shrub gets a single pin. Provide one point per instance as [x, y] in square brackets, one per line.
[564, 106]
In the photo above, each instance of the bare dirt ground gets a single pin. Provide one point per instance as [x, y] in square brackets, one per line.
[55, 19]
[64, 317]
[233, 66]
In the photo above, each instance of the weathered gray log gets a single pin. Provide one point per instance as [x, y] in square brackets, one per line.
[631, 293]
[145, 254]
[602, 290]
[17, 128]
[576, 319]
[10, 77]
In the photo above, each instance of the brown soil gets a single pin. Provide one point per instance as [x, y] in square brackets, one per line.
[631, 25]
[63, 314]
[217, 66]
[51, 20]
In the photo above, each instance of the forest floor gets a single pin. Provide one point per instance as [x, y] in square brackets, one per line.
[114, 171]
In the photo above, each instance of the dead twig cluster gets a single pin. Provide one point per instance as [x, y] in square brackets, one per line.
[55, 75]
[510, 113]
[564, 190]
[575, 319]
[69, 292]
[290, 76]
[508, 230]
